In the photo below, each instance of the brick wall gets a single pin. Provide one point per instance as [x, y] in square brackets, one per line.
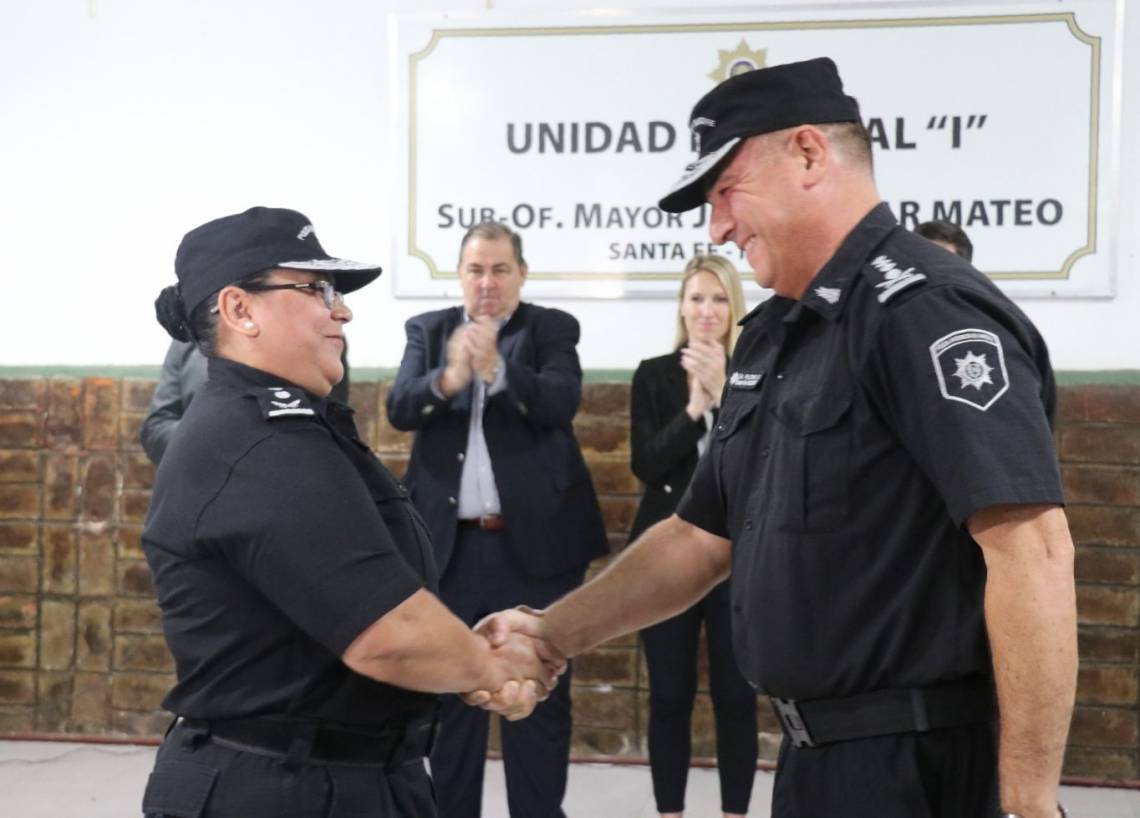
[81, 649]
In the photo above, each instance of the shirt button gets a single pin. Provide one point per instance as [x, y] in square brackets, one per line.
[747, 525]
[668, 489]
[780, 376]
[427, 410]
[720, 427]
[451, 501]
[764, 452]
[460, 457]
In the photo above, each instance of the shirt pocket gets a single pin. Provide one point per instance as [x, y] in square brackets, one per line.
[738, 407]
[820, 432]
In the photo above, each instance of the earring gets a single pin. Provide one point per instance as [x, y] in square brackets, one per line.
[249, 325]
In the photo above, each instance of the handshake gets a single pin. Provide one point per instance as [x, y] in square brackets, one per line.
[523, 657]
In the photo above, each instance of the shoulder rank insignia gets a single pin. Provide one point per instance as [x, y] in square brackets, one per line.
[280, 401]
[894, 278]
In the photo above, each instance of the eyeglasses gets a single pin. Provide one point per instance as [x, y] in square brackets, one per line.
[328, 294]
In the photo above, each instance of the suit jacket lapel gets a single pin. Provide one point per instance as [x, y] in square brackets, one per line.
[510, 334]
[677, 384]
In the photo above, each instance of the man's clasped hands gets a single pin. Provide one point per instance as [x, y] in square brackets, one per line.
[520, 640]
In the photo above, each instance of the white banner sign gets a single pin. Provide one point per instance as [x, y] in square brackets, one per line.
[1000, 119]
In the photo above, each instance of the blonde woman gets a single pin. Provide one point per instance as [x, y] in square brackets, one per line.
[673, 402]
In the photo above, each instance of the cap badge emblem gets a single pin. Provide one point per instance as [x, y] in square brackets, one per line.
[699, 122]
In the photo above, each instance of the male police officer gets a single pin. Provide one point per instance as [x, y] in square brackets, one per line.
[888, 411]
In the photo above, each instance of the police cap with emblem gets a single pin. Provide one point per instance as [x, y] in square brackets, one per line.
[757, 102]
[226, 250]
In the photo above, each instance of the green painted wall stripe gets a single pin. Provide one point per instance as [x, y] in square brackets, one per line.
[1071, 377]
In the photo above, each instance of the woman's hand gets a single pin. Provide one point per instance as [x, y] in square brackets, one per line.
[699, 399]
[704, 361]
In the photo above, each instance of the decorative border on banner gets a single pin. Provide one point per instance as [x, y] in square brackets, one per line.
[1068, 18]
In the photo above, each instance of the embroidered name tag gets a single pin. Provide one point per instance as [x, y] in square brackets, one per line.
[745, 380]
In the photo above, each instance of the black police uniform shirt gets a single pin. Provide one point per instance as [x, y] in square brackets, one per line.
[275, 537]
[860, 428]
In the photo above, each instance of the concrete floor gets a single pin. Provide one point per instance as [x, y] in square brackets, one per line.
[42, 779]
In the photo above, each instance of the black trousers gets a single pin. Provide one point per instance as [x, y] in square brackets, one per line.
[205, 779]
[671, 656]
[950, 773]
[481, 578]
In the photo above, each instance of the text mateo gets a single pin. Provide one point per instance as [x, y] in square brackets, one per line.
[590, 137]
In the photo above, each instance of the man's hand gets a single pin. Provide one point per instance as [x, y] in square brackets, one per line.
[457, 371]
[511, 630]
[704, 360]
[481, 344]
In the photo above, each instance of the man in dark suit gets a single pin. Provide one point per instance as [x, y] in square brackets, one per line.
[490, 389]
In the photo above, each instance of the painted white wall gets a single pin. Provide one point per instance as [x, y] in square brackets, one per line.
[124, 123]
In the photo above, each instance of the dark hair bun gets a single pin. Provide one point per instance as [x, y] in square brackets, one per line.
[170, 313]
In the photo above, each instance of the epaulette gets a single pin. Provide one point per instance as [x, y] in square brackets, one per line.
[889, 277]
[283, 401]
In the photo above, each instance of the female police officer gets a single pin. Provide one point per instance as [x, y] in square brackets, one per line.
[289, 565]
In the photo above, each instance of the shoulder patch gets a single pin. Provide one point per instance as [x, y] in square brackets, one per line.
[889, 277]
[970, 367]
[283, 401]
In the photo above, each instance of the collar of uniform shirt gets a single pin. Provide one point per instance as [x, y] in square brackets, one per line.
[845, 263]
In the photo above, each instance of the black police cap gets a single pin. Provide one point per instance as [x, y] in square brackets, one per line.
[226, 250]
[757, 102]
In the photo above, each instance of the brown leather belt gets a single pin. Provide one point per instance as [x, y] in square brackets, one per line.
[488, 522]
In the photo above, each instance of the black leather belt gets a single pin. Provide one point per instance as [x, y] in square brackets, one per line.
[313, 742]
[883, 712]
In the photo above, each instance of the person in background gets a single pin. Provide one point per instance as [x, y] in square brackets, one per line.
[294, 575]
[673, 404]
[490, 388]
[948, 236]
[183, 373]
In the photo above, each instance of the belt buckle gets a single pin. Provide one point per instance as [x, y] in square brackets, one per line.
[792, 720]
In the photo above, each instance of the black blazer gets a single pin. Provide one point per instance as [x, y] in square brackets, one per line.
[662, 437]
[548, 500]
